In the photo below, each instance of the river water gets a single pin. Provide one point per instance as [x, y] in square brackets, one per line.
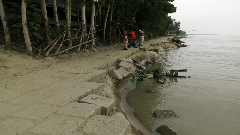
[207, 103]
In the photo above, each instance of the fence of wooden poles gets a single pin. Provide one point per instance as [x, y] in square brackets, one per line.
[79, 39]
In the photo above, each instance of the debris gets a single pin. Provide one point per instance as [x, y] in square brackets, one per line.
[174, 73]
[165, 130]
[165, 114]
[150, 91]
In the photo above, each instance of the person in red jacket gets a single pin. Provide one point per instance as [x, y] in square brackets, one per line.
[132, 39]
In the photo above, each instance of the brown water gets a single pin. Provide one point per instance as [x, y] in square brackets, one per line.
[208, 103]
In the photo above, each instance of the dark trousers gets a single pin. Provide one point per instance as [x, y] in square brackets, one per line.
[132, 42]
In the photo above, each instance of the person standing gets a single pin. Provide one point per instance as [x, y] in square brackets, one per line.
[132, 39]
[141, 37]
[125, 39]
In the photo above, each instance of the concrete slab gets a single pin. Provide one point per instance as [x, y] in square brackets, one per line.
[15, 126]
[41, 78]
[125, 64]
[6, 109]
[27, 99]
[53, 88]
[73, 93]
[105, 103]
[57, 125]
[81, 110]
[116, 74]
[124, 72]
[21, 85]
[105, 125]
[8, 94]
[35, 112]
[97, 75]
[127, 60]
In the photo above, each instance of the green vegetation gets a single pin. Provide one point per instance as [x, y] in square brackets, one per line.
[111, 17]
[139, 75]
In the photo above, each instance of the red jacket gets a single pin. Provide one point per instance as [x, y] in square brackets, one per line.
[132, 35]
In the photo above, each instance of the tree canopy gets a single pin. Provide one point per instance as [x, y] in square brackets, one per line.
[110, 18]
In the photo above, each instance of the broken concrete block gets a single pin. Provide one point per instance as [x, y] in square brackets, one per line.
[81, 110]
[127, 60]
[165, 130]
[116, 74]
[123, 71]
[106, 103]
[165, 114]
[125, 64]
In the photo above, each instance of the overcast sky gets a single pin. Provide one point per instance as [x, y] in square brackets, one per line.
[208, 16]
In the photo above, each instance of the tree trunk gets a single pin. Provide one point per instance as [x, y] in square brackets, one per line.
[25, 29]
[84, 18]
[5, 26]
[55, 13]
[84, 28]
[45, 21]
[78, 11]
[110, 33]
[68, 19]
[105, 23]
[100, 13]
[92, 24]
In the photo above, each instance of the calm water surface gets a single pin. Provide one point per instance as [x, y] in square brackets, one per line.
[208, 103]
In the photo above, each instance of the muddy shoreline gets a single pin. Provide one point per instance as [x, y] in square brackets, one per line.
[145, 54]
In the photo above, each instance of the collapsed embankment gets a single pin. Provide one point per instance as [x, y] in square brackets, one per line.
[121, 75]
[74, 95]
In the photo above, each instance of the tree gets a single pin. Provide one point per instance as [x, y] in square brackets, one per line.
[55, 13]
[92, 23]
[5, 27]
[105, 22]
[83, 24]
[25, 29]
[68, 19]
[45, 21]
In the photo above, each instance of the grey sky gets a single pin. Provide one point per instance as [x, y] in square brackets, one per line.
[208, 16]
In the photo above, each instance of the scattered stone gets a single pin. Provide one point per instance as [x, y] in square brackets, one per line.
[165, 130]
[165, 114]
